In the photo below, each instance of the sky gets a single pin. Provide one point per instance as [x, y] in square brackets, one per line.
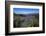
[25, 10]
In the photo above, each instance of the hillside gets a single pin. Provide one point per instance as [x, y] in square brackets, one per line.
[26, 20]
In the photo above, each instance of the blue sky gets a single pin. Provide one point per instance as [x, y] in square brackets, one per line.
[25, 10]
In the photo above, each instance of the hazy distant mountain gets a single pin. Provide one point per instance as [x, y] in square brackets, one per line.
[26, 14]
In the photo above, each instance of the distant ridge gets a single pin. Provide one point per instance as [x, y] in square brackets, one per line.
[26, 14]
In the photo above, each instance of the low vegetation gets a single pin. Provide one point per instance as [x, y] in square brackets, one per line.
[26, 21]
